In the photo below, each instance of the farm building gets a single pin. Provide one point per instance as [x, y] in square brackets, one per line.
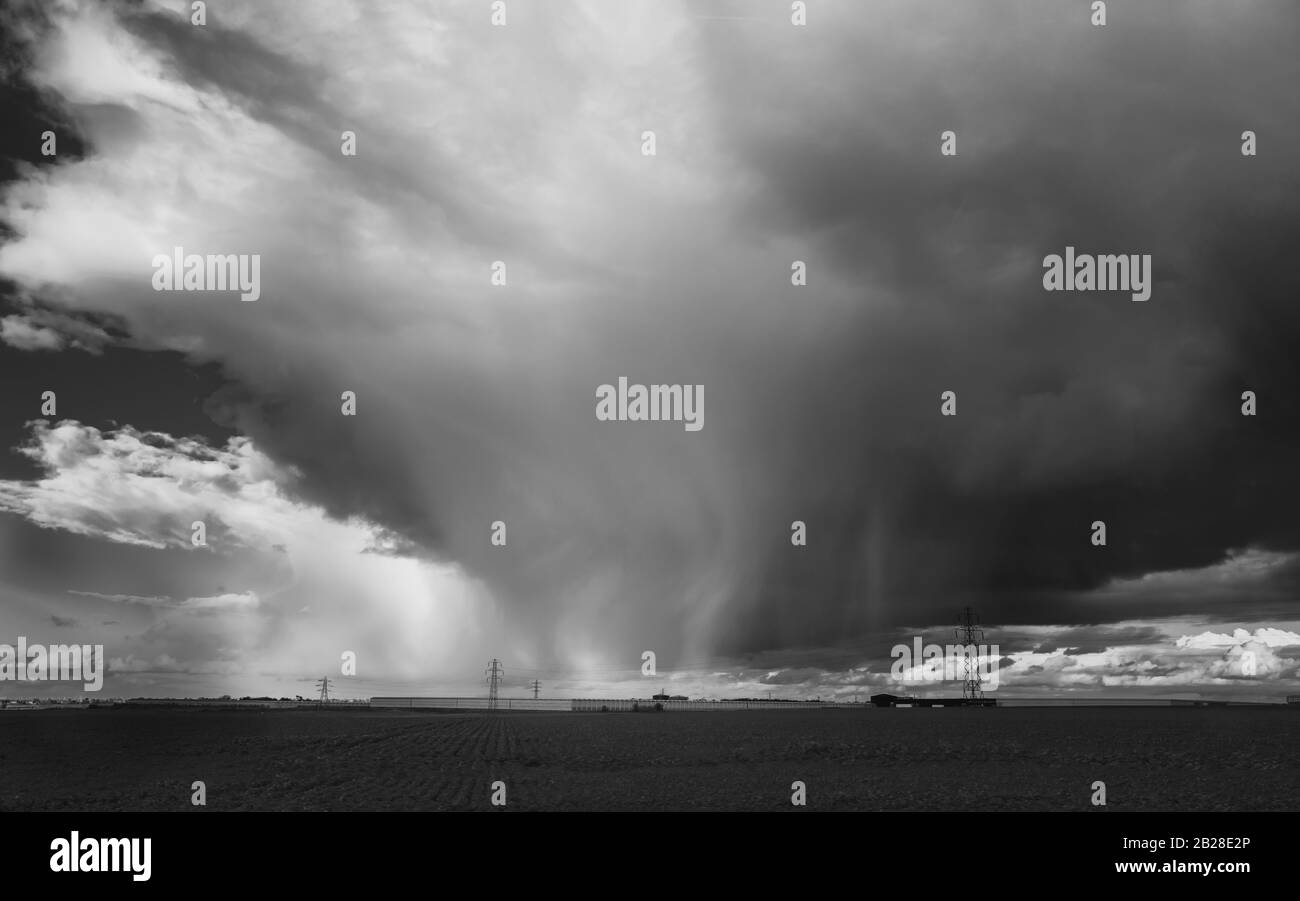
[886, 700]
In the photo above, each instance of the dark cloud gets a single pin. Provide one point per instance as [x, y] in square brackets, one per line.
[29, 111]
[1072, 407]
[1087, 640]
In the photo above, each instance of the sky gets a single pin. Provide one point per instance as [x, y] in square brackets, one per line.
[524, 143]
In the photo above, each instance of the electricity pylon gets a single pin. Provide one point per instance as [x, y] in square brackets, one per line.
[970, 635]
[494, 673]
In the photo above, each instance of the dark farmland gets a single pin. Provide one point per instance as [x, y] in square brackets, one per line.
[891, 759]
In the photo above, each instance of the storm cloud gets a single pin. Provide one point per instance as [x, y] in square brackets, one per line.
[775, 144]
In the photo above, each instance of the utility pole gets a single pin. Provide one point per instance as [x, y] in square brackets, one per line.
[969, 634]
[324, 686]
[536, 687]
[494, 673]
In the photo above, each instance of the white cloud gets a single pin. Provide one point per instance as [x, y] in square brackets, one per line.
[1267, 636]
[20, 333]
[148, 600]
[405, 618]
[48, 329]
[148, 489]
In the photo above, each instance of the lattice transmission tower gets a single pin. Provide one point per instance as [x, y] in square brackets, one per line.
[493, 673]
[970, 636]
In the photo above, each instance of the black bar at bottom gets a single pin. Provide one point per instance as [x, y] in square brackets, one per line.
[217, 851]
